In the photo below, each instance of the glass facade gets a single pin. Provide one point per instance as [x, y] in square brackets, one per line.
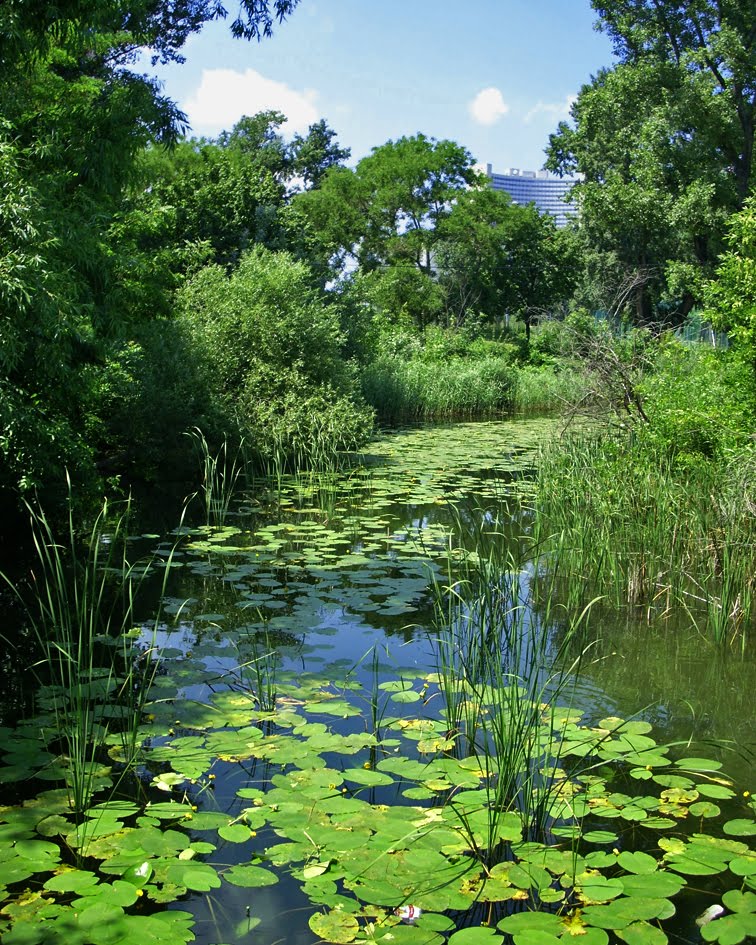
[546, 190]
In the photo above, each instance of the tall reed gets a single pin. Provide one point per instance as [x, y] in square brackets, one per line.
[94, 685]
[624, 521]
[423, 390]
[220, 476]
[501, 672]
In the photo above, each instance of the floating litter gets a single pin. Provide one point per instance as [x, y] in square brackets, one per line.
[713, 912]
[408, 913]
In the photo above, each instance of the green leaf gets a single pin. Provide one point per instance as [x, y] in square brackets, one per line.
[743, 827]
[338, 927]
[641, 933]
[478, 935]
[250, 876]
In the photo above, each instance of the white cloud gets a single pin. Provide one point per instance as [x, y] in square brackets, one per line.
[488, 106]
[555, 110]
[224, 95]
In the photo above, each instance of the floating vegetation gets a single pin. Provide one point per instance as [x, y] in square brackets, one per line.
[350, 711]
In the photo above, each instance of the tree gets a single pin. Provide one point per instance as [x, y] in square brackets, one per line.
[664, 142]
[495, 257]
[714, 44]
[311, 156]
[731, 297]
[387, 209]
[75, 118]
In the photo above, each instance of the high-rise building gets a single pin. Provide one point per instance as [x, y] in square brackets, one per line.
[546, 190]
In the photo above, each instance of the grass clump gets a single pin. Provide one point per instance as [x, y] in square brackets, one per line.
[624, 520]
[94, 682]
[417, 389]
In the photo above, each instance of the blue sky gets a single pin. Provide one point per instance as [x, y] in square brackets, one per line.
[494, 75]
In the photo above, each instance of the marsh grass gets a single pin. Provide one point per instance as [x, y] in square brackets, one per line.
[547, 389]
[425, 390]
[221, 472]
[94, 685]
[628, 523]
[504, 679]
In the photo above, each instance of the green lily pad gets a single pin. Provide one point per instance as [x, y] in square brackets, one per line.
[338, 927]
[477, 935]
[250, 876]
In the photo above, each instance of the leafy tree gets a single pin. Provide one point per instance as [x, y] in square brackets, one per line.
[75, 265]
[495, 257]
[731, 297]
[315, 153]
[714, 43]
[388, 208]
[664, 141]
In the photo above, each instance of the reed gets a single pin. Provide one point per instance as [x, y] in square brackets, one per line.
[220, 476]
[501, 674]
[424, 390]
[93, 684]
[624, 521]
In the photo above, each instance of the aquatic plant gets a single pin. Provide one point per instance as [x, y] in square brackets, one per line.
[94, 683]
[220, 476]
[501, 673]
[624, 521]
[415, 389]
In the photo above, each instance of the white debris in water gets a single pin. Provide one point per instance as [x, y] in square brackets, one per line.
[713, 912]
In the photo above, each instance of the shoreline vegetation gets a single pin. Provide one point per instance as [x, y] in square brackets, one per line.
[241, 313]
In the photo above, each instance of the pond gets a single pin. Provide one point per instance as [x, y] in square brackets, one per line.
[370, 720]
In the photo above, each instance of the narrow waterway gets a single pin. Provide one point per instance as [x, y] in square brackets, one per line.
[295, 636]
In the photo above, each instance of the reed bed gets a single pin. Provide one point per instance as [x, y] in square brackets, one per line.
[544, 388]
[426, 390]
[504, 676]
[625, 521]
[94, 680]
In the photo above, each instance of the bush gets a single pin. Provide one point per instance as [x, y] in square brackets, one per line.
[699, 402]
[269, 350]
[143, 399]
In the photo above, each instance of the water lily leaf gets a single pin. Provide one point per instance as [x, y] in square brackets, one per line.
[234, 833]
[730, 929]
[699, 764]
[72, 880]
[535, 937]
[199, 877]
[623, 912]
[658, 885]
[599, 889]
[478, 935]
[705, 809]
[717, 791]
[250, 876]
[367, 776]
[117, 893]
[637, 862]
[600, 836]
[641, 933]
[737, 901]
[743, 865]
[742, 827]
[338, 927]
[531, 922]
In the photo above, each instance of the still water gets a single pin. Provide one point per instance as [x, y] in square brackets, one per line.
[335, 575]
[317, 596]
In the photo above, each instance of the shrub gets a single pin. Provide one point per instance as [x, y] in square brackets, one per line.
[269, 350]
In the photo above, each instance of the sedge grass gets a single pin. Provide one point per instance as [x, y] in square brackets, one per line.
[424, 390]
[93, 684]
[501, 676]
[220, 476]
[625, 522]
